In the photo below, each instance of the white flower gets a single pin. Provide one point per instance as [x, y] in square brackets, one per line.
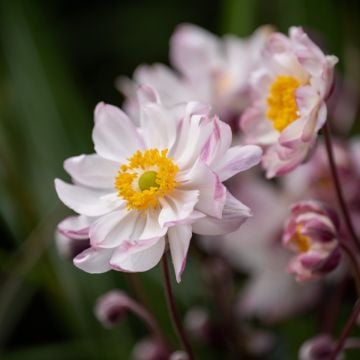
[290, 90]
[151, 186]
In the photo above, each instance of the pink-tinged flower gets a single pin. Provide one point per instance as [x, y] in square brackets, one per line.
[151, 186]
[320, 347]
[209, 69]
[290, 90]
[312, 233]
[270, 293]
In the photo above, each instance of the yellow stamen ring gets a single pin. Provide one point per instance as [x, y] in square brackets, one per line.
[282, 108]
[148, 176]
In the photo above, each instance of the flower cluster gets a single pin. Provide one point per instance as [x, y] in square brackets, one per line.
[164, 169]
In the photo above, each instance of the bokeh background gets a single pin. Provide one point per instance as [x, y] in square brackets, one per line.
[57, 60]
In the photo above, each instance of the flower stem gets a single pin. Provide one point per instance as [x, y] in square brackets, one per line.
[172, 308]
[346, 331]
[336, 181]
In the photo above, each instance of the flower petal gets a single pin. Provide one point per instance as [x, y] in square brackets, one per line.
[177, 207]
[179, 241]
[86, 201]
[141, 257]
[211, 190]
[92, 170]
[234, 214]
[75, 227]
[94, 261]
[122, 226]
[114, 135]
[238, 159]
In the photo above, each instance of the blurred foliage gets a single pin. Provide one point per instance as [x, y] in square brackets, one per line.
[57, 60]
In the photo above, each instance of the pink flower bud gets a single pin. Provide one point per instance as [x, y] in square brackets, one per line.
[150, 349]
[318, 348]
[312, 233]
[111, 308]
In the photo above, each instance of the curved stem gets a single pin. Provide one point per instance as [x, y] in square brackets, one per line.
[336, 181]
[346, 331]
[172, 308]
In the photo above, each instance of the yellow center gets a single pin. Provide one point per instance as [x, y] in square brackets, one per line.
[282, 109]
[148, 176]
[301, 241]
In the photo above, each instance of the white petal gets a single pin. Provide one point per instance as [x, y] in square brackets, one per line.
[142, 257]
[211, 190]
[123, 226]
[75, 227]
[177, 207]
[86, 201]
[179, 241]
[94, 261]
[234, 214]
[115, 136]
[92, 170]
[238, 159]
[158, 126]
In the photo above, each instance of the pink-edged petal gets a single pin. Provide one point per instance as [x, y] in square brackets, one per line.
[138, 258]
[178, 206]
[315, 122]
[257, 128]
[179, 240]
[94, 261]
[193, 132]
[114, 135]
[234, 214]
[122, 226]
[147, 95]
[238, 159]
[75, 227]
[211, 191]
[291, 135]
[92, 170]
[86, 201]
[217, 144]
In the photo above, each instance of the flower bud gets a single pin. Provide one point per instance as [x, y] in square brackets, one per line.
[320, 347]
[111, 308]
[311, 232]
[150, 349]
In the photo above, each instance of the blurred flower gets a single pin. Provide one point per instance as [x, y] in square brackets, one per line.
[150, 349]
[210, 69]
[290, 90]
[111, 308]
[312, 232]
[270, 294]
[320, 347]
[154, 185]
